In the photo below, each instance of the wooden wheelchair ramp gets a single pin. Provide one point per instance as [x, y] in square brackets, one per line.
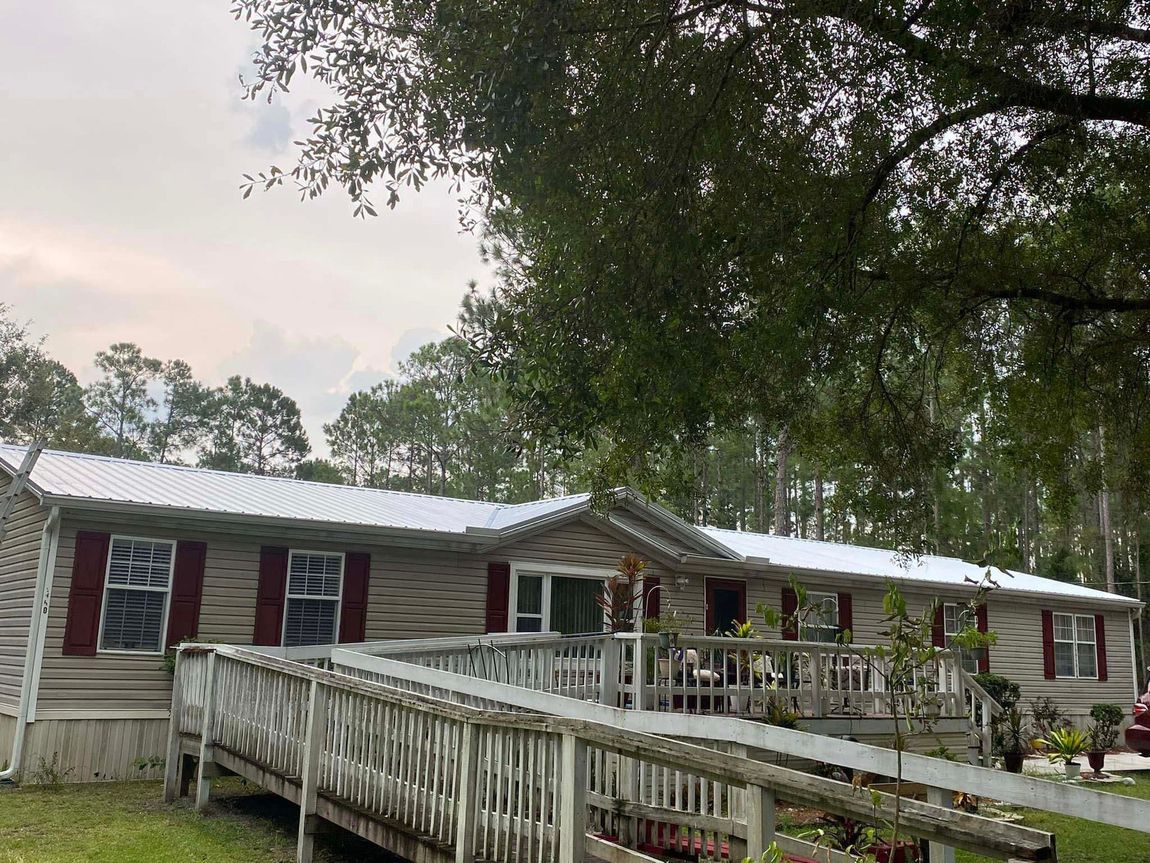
[432, 780]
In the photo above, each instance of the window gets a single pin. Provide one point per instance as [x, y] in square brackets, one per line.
[822, 621]
[1075, 646]
[136, 587]
[546, 602]
[955, 619]
[315, 586]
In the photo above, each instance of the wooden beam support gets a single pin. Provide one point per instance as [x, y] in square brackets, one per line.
[203, 777]
[467, 814]
[309, 782]
[572, 799]
[762, 821]
[172, 760]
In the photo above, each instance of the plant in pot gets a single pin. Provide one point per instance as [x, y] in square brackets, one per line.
[1013, 730]
[1103, 734]
[1065, 745]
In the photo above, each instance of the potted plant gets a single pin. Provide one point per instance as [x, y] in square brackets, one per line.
[1013, 730]
[1065, 745]
[1103, 734]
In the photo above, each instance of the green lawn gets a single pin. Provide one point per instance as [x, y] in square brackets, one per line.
[1081, 841]
[128, 823]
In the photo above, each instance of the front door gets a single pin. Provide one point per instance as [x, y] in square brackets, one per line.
[726, 604]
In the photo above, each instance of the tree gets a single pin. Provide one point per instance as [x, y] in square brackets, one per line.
[319, 470]
[180, 423]
[119, 400]
[709, 211]
[257, 429]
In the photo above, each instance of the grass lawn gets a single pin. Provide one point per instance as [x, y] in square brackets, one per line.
[128, 823]
[1081, 841]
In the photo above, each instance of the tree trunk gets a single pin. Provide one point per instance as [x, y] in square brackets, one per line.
[1104, 519]
[782, 516]
[760, 481]
[819, 524]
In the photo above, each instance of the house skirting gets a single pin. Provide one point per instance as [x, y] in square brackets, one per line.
[90, 750]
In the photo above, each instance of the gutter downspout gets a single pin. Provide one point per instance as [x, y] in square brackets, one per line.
[34, 653]
[1134, 613]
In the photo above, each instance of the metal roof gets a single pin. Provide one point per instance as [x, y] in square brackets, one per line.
[92, 478]
[808, 554]
[80, 479]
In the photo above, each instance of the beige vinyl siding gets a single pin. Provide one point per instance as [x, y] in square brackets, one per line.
[94, 750]
[7, 735]
[19, 557]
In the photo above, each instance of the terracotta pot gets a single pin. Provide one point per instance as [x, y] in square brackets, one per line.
[905, 852]
[1097, 760]
[1013, 761]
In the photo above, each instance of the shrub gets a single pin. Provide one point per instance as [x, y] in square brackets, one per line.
[1104, 733]
[1002, 689]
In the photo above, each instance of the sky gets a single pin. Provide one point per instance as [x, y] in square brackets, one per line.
[123, 139]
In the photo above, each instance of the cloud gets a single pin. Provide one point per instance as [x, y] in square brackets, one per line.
[412, 340]
[272, 128]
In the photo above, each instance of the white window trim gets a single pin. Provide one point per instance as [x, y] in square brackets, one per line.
[1075, 643]
[959, 610]
[546, 570]
[822, 594]
[338, 599]
[100, 649]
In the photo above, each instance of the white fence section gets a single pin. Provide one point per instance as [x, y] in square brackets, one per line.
[471, 784]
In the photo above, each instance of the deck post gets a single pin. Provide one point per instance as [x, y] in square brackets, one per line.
[572, 799]
[207, 728]
[816, 683]
[940, 853]
[309, 783]
[761, 820]
[466, 817]
[609, 666]
[173, 763]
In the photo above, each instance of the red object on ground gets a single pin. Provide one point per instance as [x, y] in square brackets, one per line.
[1138, 734]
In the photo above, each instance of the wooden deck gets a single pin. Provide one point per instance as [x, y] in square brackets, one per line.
[431, 779]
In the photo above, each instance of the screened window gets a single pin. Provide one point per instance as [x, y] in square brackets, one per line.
[546, 602]
[315, 585]
[955, 619]
[136, 588]
[822, 621]
[1075, 646]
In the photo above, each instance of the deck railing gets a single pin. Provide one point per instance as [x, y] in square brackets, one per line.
[503, 786]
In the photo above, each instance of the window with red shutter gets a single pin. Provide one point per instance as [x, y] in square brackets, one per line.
[498, 596]
[89, 566]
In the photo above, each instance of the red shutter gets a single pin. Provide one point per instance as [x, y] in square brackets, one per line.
[938, 629]
[1100, 640]
[1048, 645]
[89, 565]
[846, 614]
[651, 596]
[790, 609]
[187, 591]
[270, 595]
[983, 626]
[353, 607]
[498, 588]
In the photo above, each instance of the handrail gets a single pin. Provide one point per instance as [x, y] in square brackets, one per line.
[976, 689]
[1016, 789]
[957, 829]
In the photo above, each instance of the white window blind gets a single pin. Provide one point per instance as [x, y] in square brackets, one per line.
[315, 586]
[136, 587]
